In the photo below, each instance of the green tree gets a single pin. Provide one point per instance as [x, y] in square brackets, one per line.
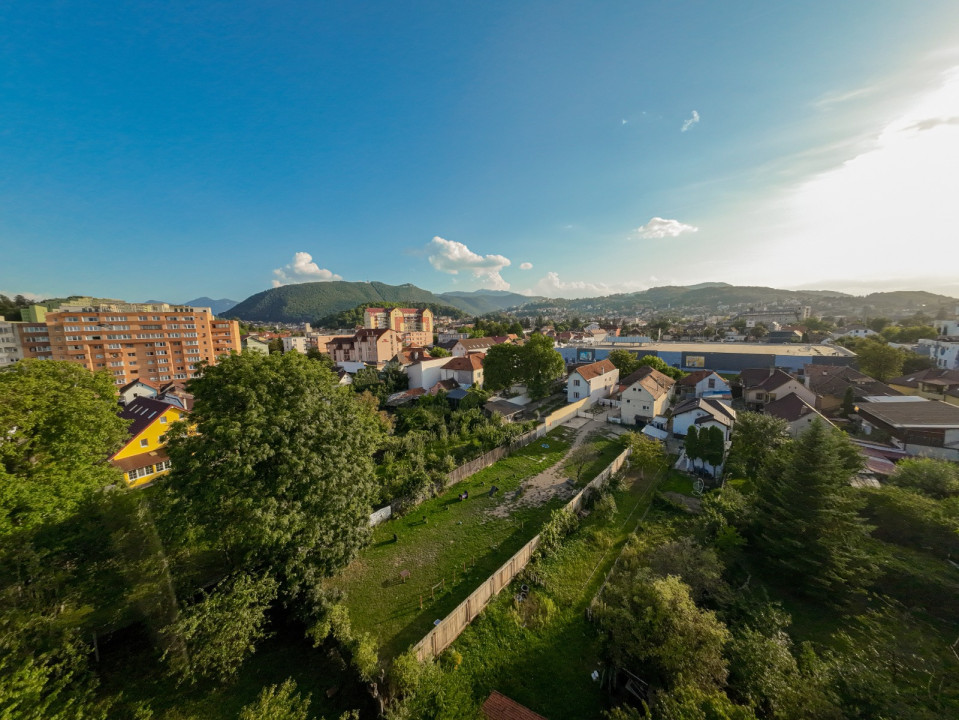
[645, 453]
[878, 324]
[321, 357]
[439, 352]
[540, 365]
[502, 366]
[691, 444]
[807, 515]
[625, 361]
[278, 702]
[712, 442]
[221, 630]
[914, 362]
[935, 478]
[755, 439]
[279, 473]
[879, 360]
[848, 402]
[659, 364]
[58, 424]
[652, 625]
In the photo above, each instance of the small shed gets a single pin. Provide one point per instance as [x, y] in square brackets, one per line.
[504, 408]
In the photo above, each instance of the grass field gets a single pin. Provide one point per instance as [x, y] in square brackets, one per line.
[545, 664]
[447, 545]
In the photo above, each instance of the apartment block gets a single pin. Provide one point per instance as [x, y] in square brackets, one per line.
[130, 341]
[415, 327]
[371, 346]
[10, 348]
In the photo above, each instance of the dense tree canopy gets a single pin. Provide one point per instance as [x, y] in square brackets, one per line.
[279, 472]
[879, 360]
[755, 439]
[625, 361]
[58, 425]
[535, 364]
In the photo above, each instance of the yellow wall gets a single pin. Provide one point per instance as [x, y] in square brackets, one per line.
[151, 433]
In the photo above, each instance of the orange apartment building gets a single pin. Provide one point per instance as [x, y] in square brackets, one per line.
[415, 327]
[132, 341]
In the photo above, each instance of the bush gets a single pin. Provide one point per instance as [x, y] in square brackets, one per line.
[561, 523]
[606, 507]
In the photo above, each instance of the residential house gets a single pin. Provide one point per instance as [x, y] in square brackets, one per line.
[373, 347]
[854, 331]
[932, 384]
[830, 382]
[445, 336]
[644, 394]
[702, 383]
[410, 355]
[702, 412]
[594, 380]
[944, 351]
[504, 408]
[928, 428]
[425, 373]
[138, 388]
[143, 459]
[470, 345]
[254, 344]
[763, 385]
[10, 350]
[467, 370]
[797, 413]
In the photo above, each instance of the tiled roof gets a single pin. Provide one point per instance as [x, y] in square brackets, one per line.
[375, 333]
[469, 363]
[136, 462]
[721, 412]
[763, 378]
[483, 343]
[500, 707]
[594, 370]
[912, 380]
[142, 412]
[790, 408]
[656, 383]
[141, 381]
[834, 379]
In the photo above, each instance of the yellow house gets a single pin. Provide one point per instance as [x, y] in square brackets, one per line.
[932, 384]
[143, 459]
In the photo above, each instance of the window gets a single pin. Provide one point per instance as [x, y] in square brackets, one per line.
[575, 394]
[576, 382]
[712, 383]
[144, 442]
[163, 420]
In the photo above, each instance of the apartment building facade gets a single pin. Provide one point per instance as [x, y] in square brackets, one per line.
[131, 341]
[10, 347]
[415, 327]
[371, 346]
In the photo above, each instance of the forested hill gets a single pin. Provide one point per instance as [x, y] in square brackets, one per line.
[309, 302]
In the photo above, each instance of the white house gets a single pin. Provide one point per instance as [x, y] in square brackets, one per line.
[595, 380]
[703, 383]
[763, 385]
[466, 370]
[944, 352]
[856, 331]
[644, 394]
[703, 412]
[426, 373]
[138, 388]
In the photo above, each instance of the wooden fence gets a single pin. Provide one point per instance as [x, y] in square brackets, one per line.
[488, 458]
[449, 628]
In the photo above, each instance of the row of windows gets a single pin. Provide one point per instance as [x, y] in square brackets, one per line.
[149, 470]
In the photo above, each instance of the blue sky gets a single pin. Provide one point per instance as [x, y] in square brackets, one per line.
[171, 149]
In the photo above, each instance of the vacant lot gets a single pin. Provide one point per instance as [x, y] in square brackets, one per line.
[445, 547]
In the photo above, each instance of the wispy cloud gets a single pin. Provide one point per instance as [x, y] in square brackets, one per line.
[690, 121]
[831, 99]
[659, 227]
[301, 270]
[526, 266]
[451, 257]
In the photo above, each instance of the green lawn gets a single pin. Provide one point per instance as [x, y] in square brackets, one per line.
[447, 543]
[605, 448]
[677, 482]
[545, 665]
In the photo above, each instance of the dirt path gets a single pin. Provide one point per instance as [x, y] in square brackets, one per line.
[554, 481]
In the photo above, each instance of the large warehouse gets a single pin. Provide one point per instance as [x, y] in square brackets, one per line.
[721, 357]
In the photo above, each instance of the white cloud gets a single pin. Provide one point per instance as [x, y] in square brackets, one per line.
[526, 266]
[451, 257]
[28, 295]
[658, 227]
[302, 269]
[837, 98]
[552, 286]
[690, 121]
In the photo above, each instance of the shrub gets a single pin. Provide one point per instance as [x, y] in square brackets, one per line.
[606, 507]
[561, 523]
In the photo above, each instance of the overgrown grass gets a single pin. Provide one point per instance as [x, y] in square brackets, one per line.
[678, 482]
[447, 546]
[604, 448]
[544, 660]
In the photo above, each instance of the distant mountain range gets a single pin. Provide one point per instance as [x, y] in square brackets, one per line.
[309, 302]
